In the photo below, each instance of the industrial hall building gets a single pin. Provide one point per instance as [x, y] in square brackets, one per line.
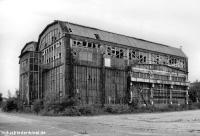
[101, 67]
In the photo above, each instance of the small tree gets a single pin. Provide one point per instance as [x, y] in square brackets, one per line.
[194, 91]
[16, 93]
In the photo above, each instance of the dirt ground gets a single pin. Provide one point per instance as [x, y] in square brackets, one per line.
[183, 123]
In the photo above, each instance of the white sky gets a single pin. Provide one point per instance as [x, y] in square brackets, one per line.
[171, 22]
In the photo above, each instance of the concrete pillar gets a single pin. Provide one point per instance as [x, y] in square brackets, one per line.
[171, 87]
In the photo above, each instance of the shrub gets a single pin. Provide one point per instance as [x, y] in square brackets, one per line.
[116, 108]
[52, 105]
[13, 104]
[89, 109]
[70, 102]
[38, 106]
[72, 111]
[196, 105]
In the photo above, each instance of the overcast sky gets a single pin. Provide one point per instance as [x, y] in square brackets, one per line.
[171, 22]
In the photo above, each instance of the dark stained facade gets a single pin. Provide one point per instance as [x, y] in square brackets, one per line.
[104, 67]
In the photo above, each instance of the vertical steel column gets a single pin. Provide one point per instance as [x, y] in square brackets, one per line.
[151, 91]
[87, 77]
[103, 80]
[171, 87]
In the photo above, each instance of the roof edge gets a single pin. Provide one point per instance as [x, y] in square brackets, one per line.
[27, 44]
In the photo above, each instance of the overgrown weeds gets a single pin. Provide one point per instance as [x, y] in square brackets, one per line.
[72, 107]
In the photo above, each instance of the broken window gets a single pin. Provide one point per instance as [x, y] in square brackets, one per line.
[117, 53]
[70, 30]
[132, 55]
[99, 46]
[143, 57]
[97, 36]
[84, 44]
[108, 50]
[157, 59]
[89, 45]
[166, 60]
[95, 45]
[113, 51]
[74, 43]
[121, 53]
[59, 55]
[173, 62]
[79, 43]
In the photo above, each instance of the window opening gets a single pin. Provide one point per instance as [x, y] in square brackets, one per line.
[70, 30]
[113, 51]
[121, 53]
[89, 45]
[117, 54]
[108, 50]
[99, 46]
[78, 43]
[84, 44]
[97, 36]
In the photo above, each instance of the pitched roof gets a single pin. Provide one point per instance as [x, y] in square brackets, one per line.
[89, 32]
[29, 43]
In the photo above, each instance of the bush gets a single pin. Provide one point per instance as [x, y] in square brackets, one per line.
[72, 111]
[90, 109]
[13, 104]
[196, 105]
[70, 102]
[37, 106]
[116, 108]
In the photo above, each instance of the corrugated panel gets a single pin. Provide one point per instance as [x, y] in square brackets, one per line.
[124, 40]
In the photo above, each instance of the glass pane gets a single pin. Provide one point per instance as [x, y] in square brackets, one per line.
[31, 60]
[35, 67]
[31, 79]
[35, 61]
[31, 67]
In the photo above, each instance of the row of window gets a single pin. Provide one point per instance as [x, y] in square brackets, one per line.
[50, 37]
[115, 52]
[52, 47]
[135, 55]
[143, 57]
[77, 43]
[156, 76]
[48, 60]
